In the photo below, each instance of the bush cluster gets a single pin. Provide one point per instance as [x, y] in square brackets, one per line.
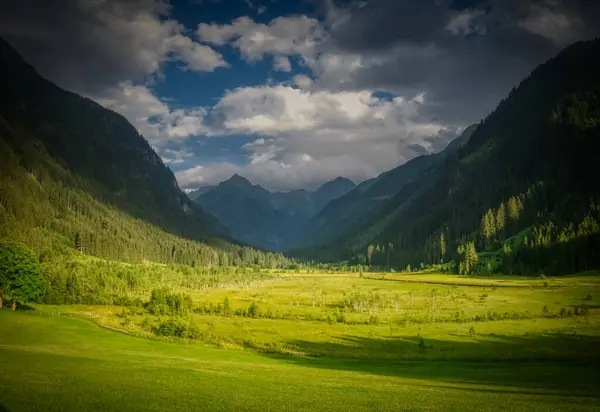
[164, 302]
[178, 328]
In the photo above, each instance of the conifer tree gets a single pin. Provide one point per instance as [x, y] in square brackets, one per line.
[442, 247]
[500, 219]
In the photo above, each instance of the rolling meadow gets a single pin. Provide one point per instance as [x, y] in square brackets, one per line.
[313, 341]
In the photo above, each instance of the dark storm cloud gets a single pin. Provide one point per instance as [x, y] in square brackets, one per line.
[89, 45]
[465, 60]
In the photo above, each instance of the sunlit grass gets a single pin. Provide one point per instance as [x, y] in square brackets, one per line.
[52, 363]
[402, 317]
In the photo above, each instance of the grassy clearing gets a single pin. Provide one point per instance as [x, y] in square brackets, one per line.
[404, 317]
[372, 342]
[52, 363]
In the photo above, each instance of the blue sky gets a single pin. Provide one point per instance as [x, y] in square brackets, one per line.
[291, 94]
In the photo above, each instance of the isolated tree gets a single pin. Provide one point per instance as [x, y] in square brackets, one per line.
[468, 258]
[488, 227]
[370, 250]
[20, 275]
[442, 247]
[513, 209]
[485, 230]
[226, 306]
[500, 218]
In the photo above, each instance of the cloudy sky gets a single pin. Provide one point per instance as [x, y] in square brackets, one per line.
[288, 93]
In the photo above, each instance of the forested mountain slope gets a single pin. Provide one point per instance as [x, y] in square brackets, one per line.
[524, 187]
[350, 212]
[97, 144]
[76, 175]
[271, 220]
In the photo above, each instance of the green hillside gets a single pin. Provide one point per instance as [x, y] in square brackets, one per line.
[531, 161]
[76, 176]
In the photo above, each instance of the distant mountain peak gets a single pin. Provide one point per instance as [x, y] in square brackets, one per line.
[238, 180]
[341, 179]
[339, 182]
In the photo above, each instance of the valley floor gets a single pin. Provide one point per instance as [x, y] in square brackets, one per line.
[415, 346]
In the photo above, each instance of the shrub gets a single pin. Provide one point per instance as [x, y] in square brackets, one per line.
[177, 328]
[164, 302]
[581, 310]
[252, 310]
[194, 331]
[373, 320]
[145, 325]
[226, 307]
[338, 316]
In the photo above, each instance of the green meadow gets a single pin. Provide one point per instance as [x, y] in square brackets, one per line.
[317, 341]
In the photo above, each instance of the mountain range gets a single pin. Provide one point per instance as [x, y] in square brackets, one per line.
[517, 192]
[270, 220]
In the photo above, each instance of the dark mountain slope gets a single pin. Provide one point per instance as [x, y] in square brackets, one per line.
[265, 219]
[199, 192]
[352, 210]
[530, 164]
[75, 176]
[331, 190]
[99, 145]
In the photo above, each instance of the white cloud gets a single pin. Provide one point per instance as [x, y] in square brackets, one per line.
[285, 36]
[206, 175]
[302, 81]
[306, 137]
[197, 57]
[170, 156]
[153, 118]
[282, 64]
[289, 36]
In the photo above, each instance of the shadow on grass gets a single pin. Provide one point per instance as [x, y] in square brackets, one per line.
[396, 278]
[24, 308]
[20, 306]
[556, 364]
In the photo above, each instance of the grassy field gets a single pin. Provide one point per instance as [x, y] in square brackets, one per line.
[320, 342]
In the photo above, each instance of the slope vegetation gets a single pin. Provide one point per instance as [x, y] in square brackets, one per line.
[74, 175]
[529, 166]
